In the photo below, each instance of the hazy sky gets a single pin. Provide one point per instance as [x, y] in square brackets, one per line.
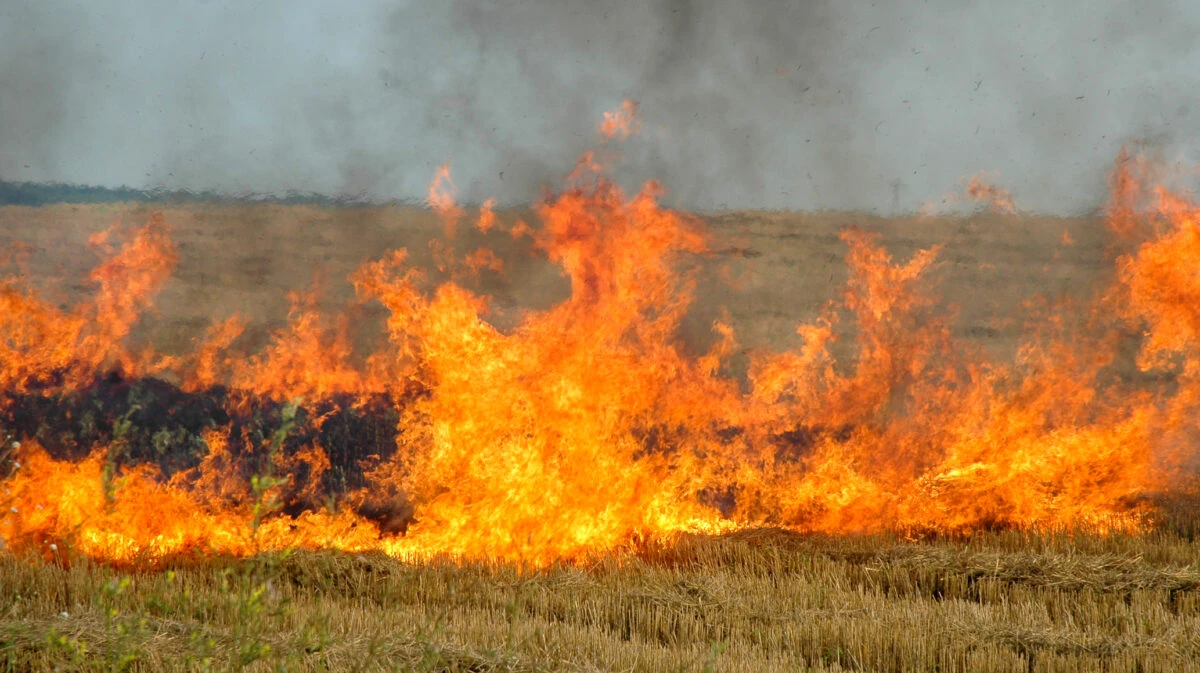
[833, 104]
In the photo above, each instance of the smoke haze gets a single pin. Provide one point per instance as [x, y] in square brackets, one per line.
[803, 105]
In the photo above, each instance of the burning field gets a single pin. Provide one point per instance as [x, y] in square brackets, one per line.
[603, 432]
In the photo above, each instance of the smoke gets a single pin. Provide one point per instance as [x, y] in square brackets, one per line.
[836, 105]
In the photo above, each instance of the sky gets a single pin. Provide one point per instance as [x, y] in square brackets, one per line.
[832, 104]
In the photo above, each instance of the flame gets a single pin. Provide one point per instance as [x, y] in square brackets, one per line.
[48, 347]
[590, 426]
[312, 358]
[135, 519]
[441, 200]
[622, 122]
[981, 188]
[487, 216]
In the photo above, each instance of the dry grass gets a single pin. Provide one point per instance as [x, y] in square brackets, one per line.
[756, 601]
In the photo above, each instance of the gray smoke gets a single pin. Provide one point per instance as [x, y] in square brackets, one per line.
[811, 105]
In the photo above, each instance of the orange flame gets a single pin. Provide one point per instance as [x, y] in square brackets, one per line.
[622, 122]
[487, 218]
[441, 200]
[45, 346]
[980, 188]
[590, 426]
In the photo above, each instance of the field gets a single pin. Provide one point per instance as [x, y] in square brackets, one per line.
[757, 600]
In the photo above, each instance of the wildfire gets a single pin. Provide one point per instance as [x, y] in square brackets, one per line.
[982, 189]
[588, 426]
[622, 122]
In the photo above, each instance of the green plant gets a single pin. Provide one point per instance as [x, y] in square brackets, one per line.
[116, 453]
[265, 487]
[715, 649]
[122, 637]
[72, 649]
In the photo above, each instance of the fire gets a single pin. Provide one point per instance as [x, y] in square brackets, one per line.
[134, 518]
[590, 426]
[622, 122]
[982, 189]
[441, 200]
[49, 347]
[487, 216]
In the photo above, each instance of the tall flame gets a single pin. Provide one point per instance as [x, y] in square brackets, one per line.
[591, 425]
